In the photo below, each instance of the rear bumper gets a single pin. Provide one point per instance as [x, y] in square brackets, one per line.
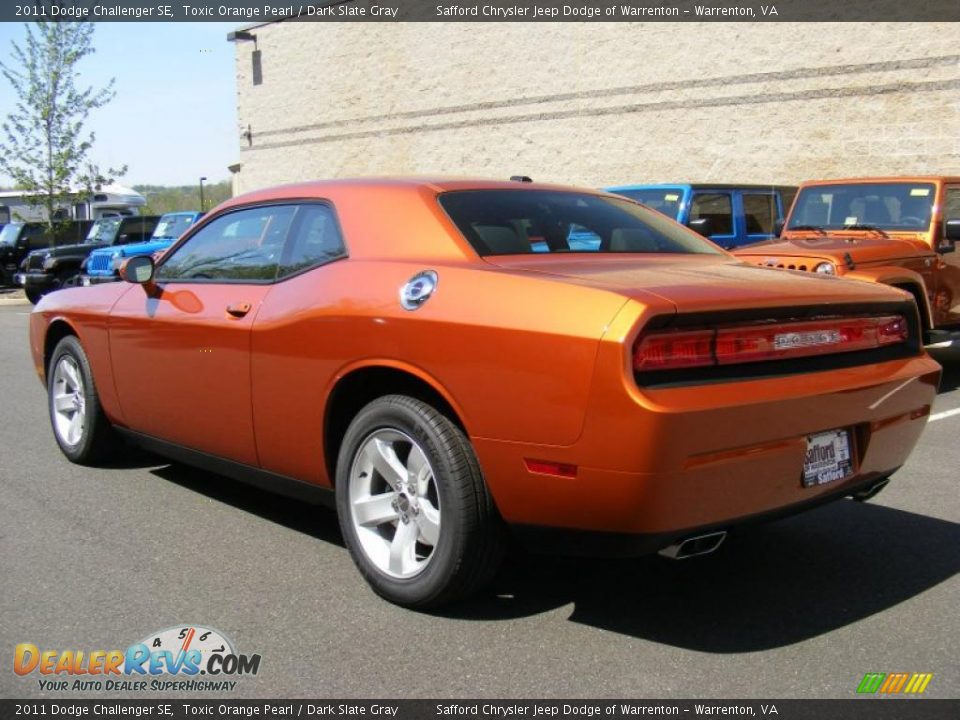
[595, 543]
[655, 467]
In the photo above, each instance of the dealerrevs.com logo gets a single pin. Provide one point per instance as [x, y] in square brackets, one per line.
[182, 658]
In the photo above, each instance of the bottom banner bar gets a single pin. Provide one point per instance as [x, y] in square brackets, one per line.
[853, 709]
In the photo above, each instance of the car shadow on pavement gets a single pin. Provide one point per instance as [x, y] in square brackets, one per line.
[767, 587]
[949, 358]
[317, 521]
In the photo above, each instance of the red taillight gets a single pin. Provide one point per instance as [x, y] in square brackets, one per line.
[674, 350]
[892, 330]
[754, 343]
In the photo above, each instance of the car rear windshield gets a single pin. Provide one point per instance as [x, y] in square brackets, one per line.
[883, 206]
[665, 200]
[522, 222]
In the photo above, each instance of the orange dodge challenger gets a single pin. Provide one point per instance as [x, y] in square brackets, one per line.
[444, 363]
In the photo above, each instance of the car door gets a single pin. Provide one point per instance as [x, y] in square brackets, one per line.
[716, 206]
[136, 230]
[297, 341]
[760, 210]
[35, 237]
[947, 296]
[181, 348]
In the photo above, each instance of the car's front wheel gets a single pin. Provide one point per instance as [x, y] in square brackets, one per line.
[414, 509]
[80, 426]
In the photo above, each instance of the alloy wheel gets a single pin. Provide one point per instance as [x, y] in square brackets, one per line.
[69, 401]
[394, 503]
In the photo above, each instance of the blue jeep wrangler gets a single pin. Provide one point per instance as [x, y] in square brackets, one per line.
[102, 265]
[730, 215]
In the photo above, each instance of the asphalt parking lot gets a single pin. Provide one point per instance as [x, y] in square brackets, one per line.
[100, 558]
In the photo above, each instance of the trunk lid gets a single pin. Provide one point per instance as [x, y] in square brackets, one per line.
[694, 283]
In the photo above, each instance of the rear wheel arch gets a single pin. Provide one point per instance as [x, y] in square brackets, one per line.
[362, 385]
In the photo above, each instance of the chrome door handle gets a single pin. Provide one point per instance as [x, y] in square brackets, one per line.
[238, 310]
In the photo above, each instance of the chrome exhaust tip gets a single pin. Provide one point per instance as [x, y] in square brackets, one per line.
[693, 546]
[866, 494]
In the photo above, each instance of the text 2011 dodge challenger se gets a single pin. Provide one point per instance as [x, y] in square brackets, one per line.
[437, 355]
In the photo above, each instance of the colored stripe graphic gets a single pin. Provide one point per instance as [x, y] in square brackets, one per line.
[893, 683]
[871, 682]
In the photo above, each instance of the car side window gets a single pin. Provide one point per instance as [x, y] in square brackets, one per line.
[316, 240]
[759, 212]
[36, 238]
[133, 231]
[717, 208]
[245, 245]
[951, 206]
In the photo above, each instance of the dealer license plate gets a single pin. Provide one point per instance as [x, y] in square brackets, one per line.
[828, 458]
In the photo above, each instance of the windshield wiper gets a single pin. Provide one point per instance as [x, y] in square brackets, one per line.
[812, 228]
[868, 228]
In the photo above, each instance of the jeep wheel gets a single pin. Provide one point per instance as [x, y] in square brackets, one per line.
[79, 424]
[33, 295]
[413, 506]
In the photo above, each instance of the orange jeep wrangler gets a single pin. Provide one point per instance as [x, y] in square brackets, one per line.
[899, 231]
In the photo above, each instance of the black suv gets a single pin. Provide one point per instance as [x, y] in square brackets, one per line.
[19, 238]
[58, 267]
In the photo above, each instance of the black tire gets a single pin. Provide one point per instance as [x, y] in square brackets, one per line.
[97, 439]
[33, 296]
[67, 279]
[471, 536]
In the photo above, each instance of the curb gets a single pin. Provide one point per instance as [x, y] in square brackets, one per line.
[15, 297]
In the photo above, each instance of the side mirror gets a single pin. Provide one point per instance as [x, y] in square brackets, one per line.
[951, 230]
[138, 269]
[702, 226]
[951, 234]
[778, 226]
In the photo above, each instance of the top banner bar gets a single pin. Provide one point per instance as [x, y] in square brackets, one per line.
[267, 11]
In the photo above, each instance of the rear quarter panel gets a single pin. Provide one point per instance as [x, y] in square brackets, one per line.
[513, 354]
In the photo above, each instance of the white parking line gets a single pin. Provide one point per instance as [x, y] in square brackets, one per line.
[944, 414]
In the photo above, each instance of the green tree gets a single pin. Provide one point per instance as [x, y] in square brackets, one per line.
[45, 149]
[162, 198]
